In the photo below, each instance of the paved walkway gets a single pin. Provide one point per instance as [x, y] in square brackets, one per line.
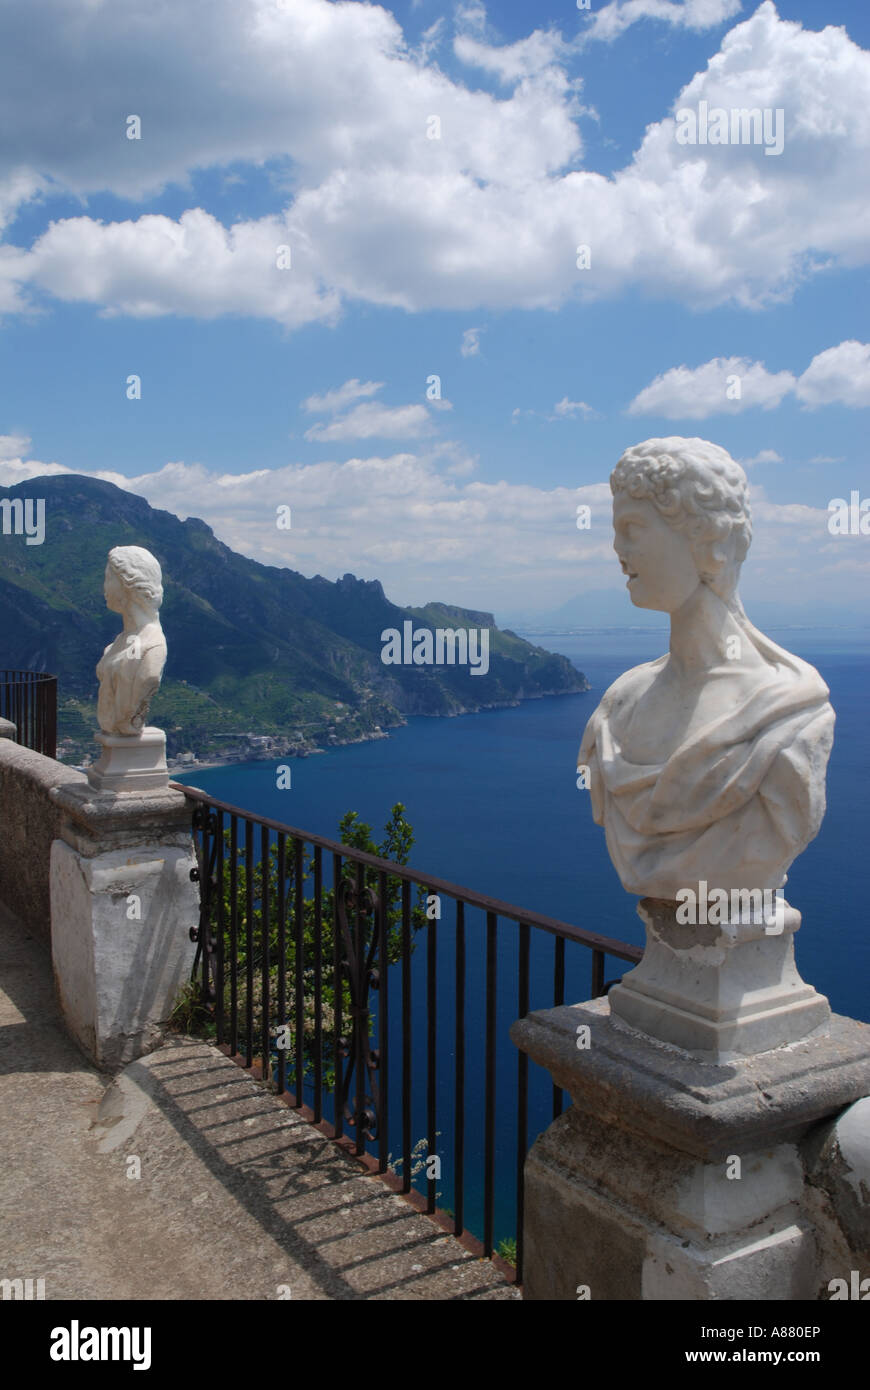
[237, 1196]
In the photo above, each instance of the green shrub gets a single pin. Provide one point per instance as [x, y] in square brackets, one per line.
[396, 846]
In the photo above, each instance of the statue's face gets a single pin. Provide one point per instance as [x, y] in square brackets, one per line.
[658, 560]
[113, 591]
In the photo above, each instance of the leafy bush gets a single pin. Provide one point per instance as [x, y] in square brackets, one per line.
[395, 845]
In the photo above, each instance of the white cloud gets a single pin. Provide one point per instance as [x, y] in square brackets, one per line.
[693, 393]
[369, 419]
[564, 409]
[485, 217]
[793, 558]
[14, 471]
[425, 529]
[373, 420]
[12, 446]
[838, 376]
[431, 531]
[613, 20]
[430, 39]
[17, 186]
[510, 63]
[568, 409]
[331, 401]
[194, 266]
[471, 17]
[470, 346]
[763, 456]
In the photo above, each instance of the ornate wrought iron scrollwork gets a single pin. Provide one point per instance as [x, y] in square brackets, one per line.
[205, 840]
[359, 949]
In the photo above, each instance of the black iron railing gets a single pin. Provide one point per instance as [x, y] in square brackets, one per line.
[301, 990]
[29, 699]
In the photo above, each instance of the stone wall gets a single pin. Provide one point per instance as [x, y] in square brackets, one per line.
[29, 821]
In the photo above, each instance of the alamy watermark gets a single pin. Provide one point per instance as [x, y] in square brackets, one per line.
[20, 518]
[857, 1288]
[24, 1290]
[444, 646]
[717, 906]
[77, 1343]
[850, 518]
[739, 126]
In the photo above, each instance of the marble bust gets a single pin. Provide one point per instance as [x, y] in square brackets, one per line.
[707, 764]
[131, 666]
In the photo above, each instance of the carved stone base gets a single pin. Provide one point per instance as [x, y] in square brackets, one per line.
[122, 908]
[719, 992]
[671, 1178]
[131, 763]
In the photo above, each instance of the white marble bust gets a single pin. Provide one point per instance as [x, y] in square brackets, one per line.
[131, 667]
[709, 763]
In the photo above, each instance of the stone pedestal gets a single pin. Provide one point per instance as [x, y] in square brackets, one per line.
[131, 763]
[674, 1178]
[122, 906]
[719, 991]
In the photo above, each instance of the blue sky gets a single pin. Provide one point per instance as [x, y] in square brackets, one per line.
[304, 123]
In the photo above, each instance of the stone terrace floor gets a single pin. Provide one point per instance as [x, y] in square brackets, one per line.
[238, 1196]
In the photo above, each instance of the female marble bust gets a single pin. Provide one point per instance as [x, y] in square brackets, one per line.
[130, 668]
[709, 763]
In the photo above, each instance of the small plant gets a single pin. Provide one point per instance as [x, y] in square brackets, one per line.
[189, 1014]
[419, 1160]
[507, 1249]
[419, 1155]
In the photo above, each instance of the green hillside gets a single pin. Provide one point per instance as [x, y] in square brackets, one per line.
[253, 650]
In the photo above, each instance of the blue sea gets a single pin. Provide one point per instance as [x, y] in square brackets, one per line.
[494, 804]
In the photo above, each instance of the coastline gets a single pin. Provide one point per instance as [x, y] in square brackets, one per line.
[268, 755]
[248, 746]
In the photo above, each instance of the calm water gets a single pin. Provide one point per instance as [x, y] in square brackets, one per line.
[493, 801]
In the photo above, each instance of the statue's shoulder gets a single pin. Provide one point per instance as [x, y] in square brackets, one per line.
[624, 691]
[631, 684]
[791, 670]
[152, 635]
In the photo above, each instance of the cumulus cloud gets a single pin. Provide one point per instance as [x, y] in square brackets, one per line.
[838, 376]
[12, 446]
[613, 20]
[693, 393]
[193, 266]
[330, 97]
[470, 346]
[425, 527]
[331, 401]
[418, 522]
[14, 471]
[794, 559]
[373, 420]
[368, 419]
[510, 63]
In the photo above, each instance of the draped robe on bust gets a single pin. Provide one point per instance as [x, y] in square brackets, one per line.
[736, 801]
[124, 680]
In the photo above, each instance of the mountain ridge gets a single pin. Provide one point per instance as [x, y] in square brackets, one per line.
[255, 651]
